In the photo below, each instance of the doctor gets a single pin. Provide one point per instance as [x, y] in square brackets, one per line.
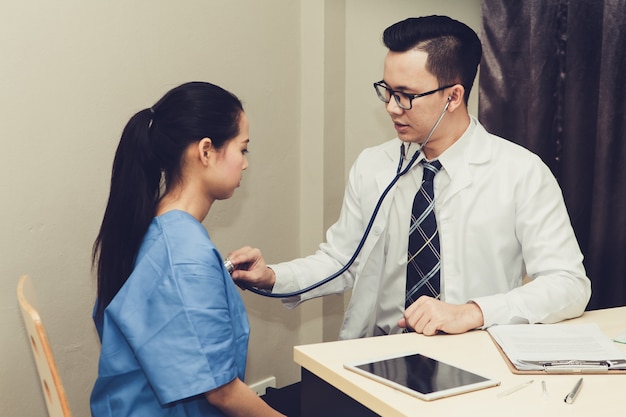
[500, 213]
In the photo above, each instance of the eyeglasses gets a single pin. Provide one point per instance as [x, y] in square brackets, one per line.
[404, 100]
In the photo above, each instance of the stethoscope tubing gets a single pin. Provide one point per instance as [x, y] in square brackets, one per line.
[399, 173]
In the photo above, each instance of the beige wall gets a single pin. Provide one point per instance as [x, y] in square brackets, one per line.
[71, 74]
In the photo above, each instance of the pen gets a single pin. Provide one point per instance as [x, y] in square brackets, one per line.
[571, 396]
[516, 388]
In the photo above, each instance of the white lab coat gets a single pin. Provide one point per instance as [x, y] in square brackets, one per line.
[500, 215]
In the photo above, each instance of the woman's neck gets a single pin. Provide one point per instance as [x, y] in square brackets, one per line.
[184, 200]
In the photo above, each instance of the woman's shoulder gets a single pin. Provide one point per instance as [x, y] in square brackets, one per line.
[184, 239]
[183, 228]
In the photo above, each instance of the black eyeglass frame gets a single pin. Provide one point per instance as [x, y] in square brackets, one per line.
[396, 94]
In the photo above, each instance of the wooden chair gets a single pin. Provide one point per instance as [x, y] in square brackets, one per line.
[51, 384]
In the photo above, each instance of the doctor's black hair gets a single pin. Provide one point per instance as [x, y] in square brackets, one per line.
[454, 49]
[149, 160]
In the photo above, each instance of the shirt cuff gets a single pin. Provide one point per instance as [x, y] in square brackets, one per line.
[494, 308]
[283, 285]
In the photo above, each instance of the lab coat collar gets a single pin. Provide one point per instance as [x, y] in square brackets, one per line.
[470, 149]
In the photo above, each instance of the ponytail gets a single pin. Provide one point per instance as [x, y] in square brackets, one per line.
[133, 197]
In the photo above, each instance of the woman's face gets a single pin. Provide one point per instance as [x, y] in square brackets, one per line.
[231, 162]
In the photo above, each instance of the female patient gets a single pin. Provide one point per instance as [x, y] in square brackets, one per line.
[173, 327]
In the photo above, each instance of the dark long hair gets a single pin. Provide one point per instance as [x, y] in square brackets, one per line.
[454, 49]
[151, 150]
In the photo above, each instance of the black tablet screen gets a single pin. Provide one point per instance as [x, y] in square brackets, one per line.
[421, 373]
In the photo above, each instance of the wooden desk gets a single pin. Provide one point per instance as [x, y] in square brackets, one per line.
[474, 351]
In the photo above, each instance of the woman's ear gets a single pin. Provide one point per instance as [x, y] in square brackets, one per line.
[205, 146]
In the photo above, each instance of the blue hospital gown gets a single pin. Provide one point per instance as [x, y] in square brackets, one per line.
[176, 329]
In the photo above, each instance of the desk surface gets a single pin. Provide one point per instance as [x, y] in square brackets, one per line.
[475, 351]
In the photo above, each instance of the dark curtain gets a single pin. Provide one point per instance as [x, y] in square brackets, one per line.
[553, 79]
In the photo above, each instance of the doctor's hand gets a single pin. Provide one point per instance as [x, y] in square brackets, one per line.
[428, 316]
[251, 269]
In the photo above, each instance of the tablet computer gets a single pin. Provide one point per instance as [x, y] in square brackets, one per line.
[421, 376]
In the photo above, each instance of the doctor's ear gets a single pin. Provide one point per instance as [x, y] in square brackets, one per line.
[456, 96]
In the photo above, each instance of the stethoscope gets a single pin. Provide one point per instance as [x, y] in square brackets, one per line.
[399, 173]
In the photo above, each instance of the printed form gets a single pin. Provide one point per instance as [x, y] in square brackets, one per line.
[557, 346]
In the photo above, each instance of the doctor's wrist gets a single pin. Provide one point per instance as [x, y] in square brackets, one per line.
[271, 280]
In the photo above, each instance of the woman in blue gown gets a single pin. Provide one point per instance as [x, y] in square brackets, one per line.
[173, 327]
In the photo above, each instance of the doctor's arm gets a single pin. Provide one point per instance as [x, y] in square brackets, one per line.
[559, 288]
[342, 238]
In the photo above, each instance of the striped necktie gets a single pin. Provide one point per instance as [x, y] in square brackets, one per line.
[422, 274]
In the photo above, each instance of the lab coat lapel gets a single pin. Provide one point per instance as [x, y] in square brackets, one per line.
[386, 173]
[383, 179]
[360, 316]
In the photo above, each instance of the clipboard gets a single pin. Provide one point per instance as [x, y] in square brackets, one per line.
[588, 365]
[557, 370]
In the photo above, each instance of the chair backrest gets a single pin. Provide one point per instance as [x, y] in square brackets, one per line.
[53, 391]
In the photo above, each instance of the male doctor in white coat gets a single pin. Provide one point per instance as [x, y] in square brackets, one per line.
[500, 212]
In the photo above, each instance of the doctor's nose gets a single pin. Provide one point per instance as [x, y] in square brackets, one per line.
[393, 108]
